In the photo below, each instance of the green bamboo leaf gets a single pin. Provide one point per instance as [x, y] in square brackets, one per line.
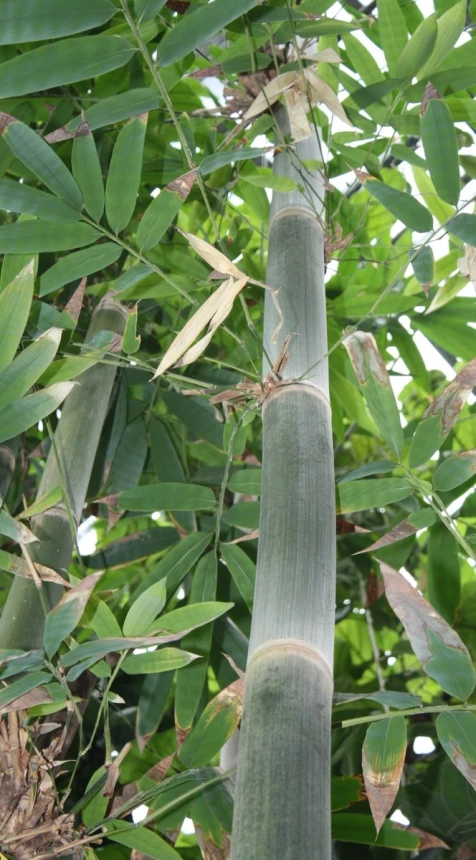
[29, 22]
[418, 50]
[189, 617]
[197, 26]
[94, 651]
[423, 265]
[30, 681]
[383, 756]
[26, 369]
[157, 219]
[270, 180]
[13, 529]
[164, 660]
[17, 197]
[221, 159]
[402, 205]
[374, 493]
[443, 655]
[22, 414]
[63, 62]
[372, 376]
[66, 615]
[147, 9]
[100, 618]
[354, 827]
[143, 543]
[457, 735]
[88, 174]
[463, 227]
[362, 60]
[15, 302]
[117, 108]
[176, 563]
[450, 26]
[145, 609]
[442, 211]
[43, 236]
[35, 154]
[124, 173]
[443, 571]
[46, 501]
[78, 265]
[242, 569]
[66, 369]
[379, 467]
[167, 497]
[393, 33]
[243, 515]
[131, 340]
[455, 470]
[216, 724]
[246, 481]
[190, 681]
[438, 135]
[406, 153]
[440, 416]
[321, 27]
[143, 841]
[95, 803]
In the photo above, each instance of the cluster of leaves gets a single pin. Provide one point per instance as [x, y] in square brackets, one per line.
[102, 104]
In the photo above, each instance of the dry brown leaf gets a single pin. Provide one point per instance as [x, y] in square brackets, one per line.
[328, 55]
[81, 592]
[211, 256]
[322, 92]
[250, 536]
[467, 264]
[213, 311]
[271, 93]
[383, 757]
[38, 696]
[19, 567]
[399, 532]
[297, 106]
[449, 403]
[183, 184]
[73, 307]
[427, 840]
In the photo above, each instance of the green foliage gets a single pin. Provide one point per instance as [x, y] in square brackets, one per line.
[141, 648]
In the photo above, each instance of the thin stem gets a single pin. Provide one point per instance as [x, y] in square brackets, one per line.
[410, 712]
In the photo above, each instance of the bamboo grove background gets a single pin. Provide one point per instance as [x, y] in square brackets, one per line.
[224, 227]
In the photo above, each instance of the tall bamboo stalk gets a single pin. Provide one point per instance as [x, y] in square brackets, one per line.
[282, 801]
[69, 464]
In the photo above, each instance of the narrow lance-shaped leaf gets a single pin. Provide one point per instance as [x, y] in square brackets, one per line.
[383, 756]
[22, 414]
[40, 158]
[216, 724]
[423, 265]
[195, 27]
[439, 418]
[373, 377]
[43, 236]
[420, 47]
[463, 226]
[27, 21]
[362, 495]
[438, 135]
[455, 470]
[78, 265]
[402, 205]
[242, 569]
[145, 609]
[161, 212]
[21, 198]
[15, 301]
[65, 616]
[63, 62]
[124, 173]
[393, 32]
[163, 660]
[409, 526]
[450, 26]
[87, 171]
[457, 735]
[26, 369]
[189, 617]
[13, 529]
[168, 497]
[440, 650]
[443, 571]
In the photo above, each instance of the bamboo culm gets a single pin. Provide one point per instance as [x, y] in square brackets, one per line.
[75, 443]
[282, 798]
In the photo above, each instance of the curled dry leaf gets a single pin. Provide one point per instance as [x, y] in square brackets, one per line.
[440, 650]
[211, 256]
[383, 756]
[449, 403]
[467, 264]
